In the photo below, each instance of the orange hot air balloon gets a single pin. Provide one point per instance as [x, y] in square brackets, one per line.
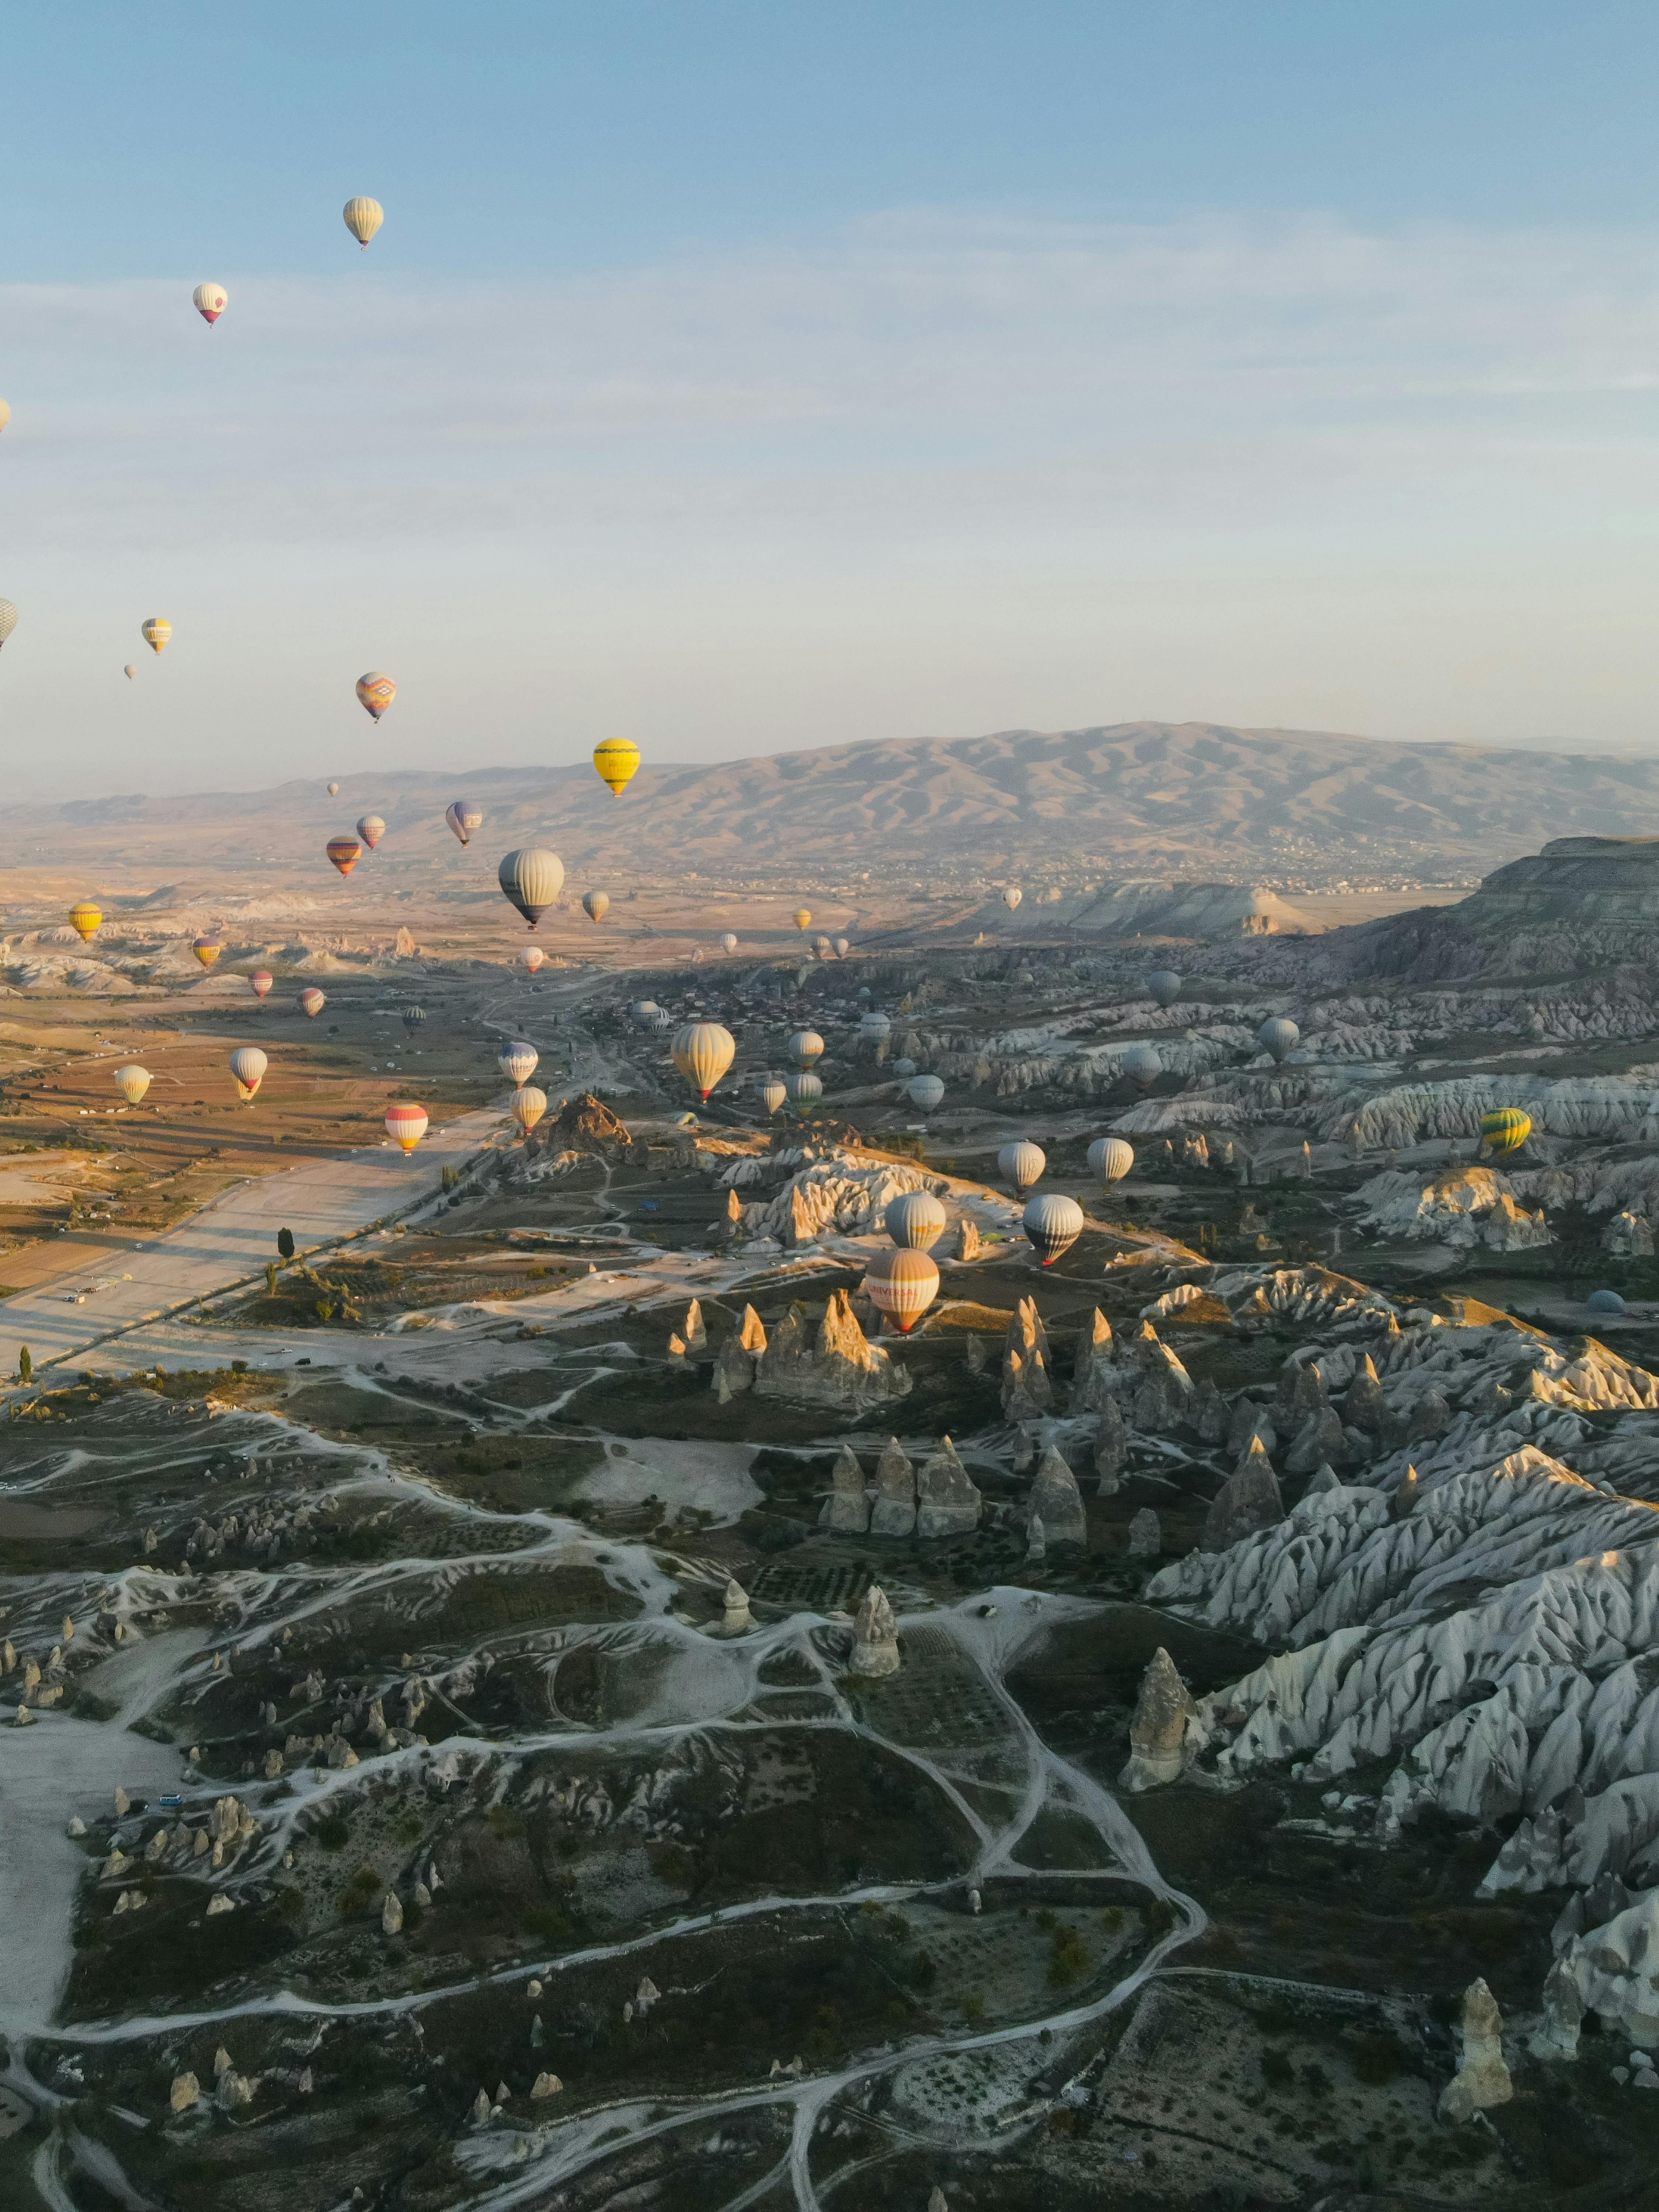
[345, 852]
[312, 1001]
[376, 691]
[405, 1125]
[259, 982]
[84, 918]
[206, 949]
[902, 1283]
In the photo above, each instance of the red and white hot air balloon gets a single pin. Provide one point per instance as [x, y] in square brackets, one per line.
[532, 957]
[209, 301]
[312, 1001]
[405, 1125]
[259, 983]
[902, 1283]
[371, 829]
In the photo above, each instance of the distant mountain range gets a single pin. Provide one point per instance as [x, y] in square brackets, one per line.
[1192, 799]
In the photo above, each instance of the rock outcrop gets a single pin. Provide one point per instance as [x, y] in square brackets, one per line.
[875, 1636]
[738, 1359]
[1146, 1536]
[1247, 1502]
[894, 1513]
[833, 1365]
[1055, 1499]
[1094, 1375]
[947, 1502]
[1111, 1448]
[1612, 1971]
[1027, 1387]
[1482, 2079]
[1165, 1712]
[847, 1509]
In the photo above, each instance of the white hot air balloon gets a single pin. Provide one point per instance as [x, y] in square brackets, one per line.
[1142, 1065]
[529, 1104]
[209, 301]
[1021, 1163]
[1012, 896]
[803, 1089]
[530, 879]
[517, 1061]
[8, 619]
[5, 413]
[915, 1219]
[363, 217]
[248, 1065]
[926, 1091]
[132, 1081]
[334, 791]
[1111, 1159]
[806, 1048]
[595, 905]
[1278, 1037]
[840, 948]
[728, 944]
[773, 1095]
[703, 1051]
[531, 957]
[129, 672]
[874, 1029]
[1164, 986]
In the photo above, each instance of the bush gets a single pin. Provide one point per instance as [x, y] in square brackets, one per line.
[1377, 2057]
[332, 1833]
[1277, 2070]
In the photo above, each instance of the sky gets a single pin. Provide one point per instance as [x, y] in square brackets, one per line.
[737, 379]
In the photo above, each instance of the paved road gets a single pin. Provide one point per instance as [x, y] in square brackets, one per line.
[230, 1241]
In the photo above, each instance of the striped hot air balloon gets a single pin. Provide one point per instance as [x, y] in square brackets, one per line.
[773, 1095]
[728, 944]
[371, 829]
[248, 1065]
[206, 949]
[1053, 1224]
[915, 1220]
[1111, 1159]
[462, 817]
[155, 630]
[1021, 1163]
[615, 762]
[209, 301]
[901, 1284]
[530, 879]
[703, 1051]
[518, 1060]
[259, 983]
[84, 918]
[376, 692]
[595, 905]
[132, 1081]
[1506, 1130]
[806, 1048]
[405, 1125]
[803, 1089]
[312, 1001]
[1278, 1036]
[529, 1104]
[363, 217]
[926, 1091]
[345, 852]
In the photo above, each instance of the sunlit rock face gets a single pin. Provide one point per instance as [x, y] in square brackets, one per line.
[834, 1365]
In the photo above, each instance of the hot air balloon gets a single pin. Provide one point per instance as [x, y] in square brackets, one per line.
[84, 918]
[1053, 1225]
[873, 1028]
[334, 791]
[1506, 1130]
[8, 619]
[1021, 1163]
[344, 852]
[156, 631]
[1142, 1065]
[530, 879]
[206, 949]
[376, 692]
[312, 1001]
[901, 1284]
[803, 1089]
[209, 301]
[915, 1220]
[371, 829]
[462, 817]
[531, 957]
[806, 1048]
[926, 1091]
[906, 1068]
[641, 1011]
[248, 1065]
[1111, 1159]
[362, 218]
[773, 1095]
[595, 905]
[1164, 986]
[129, 672]
[413, 1017]
[840, 948]
[1012, 896]
[615, 762]
[728, 944]
[662, 1019]
[5, 413]
[803, 918]
[702, 1052]
[132, 1081]
[518, 1060]
[1278, 1036]
[821, 948]
[529, 1104]
[259, 982]
[405, 1125]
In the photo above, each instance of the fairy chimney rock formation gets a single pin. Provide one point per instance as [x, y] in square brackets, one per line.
[847, 1509]
[1482, 2079]
[1095, 1371]
[1247, 1502]
[1145, 1537]
[1158, 1749]
[834, 1366]
[947, 1501]
[1055, 1499]
[736, 1618]
[875, 1636]
[894, 1513]
[1027, 1387]
[967, 1243]
[736, 1362]
[1111, 1447]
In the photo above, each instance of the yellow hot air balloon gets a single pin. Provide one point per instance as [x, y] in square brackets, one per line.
[363, 217]
[1506, 1130]
[206, 950]
[156, 631]
[529, 1104]
[132, 1081]
[595, 905]
[615, 760]
[84, 918]
[703, 1051]
[803, 918]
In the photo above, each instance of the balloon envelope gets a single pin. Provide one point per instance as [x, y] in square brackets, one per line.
[259, 982]
[334, 791]
[530, 879]
[209, 301]
[840, 948]
[129, 672]
[1278, 1036]
[532, 957]
[363, 217]
[1111, 1158]
[462, 817]
[206, 950]
[371, 829]
[1012, 896]
[312, 1001]
[773, 1095]
[595, 905]
[803, 916]
[413, 1017]
[345, 852]
[1164, 986]
[518, 1060]
[406, 1124]
[1053, 1225]
[156, 631]
[248, 1065]
[873, 1027]
[1506, 1130]
[9, 620]
[901, 1284]
[1021, 1163]
[728, 943]
[615, 762]
[1142, 1065]
[132, 1081]
[804, 1088]
[702, 1052]
[926, 1091]
[529, 1104]
[915, 1219]
[376, 691]
[84, 918]
[806, 1048]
